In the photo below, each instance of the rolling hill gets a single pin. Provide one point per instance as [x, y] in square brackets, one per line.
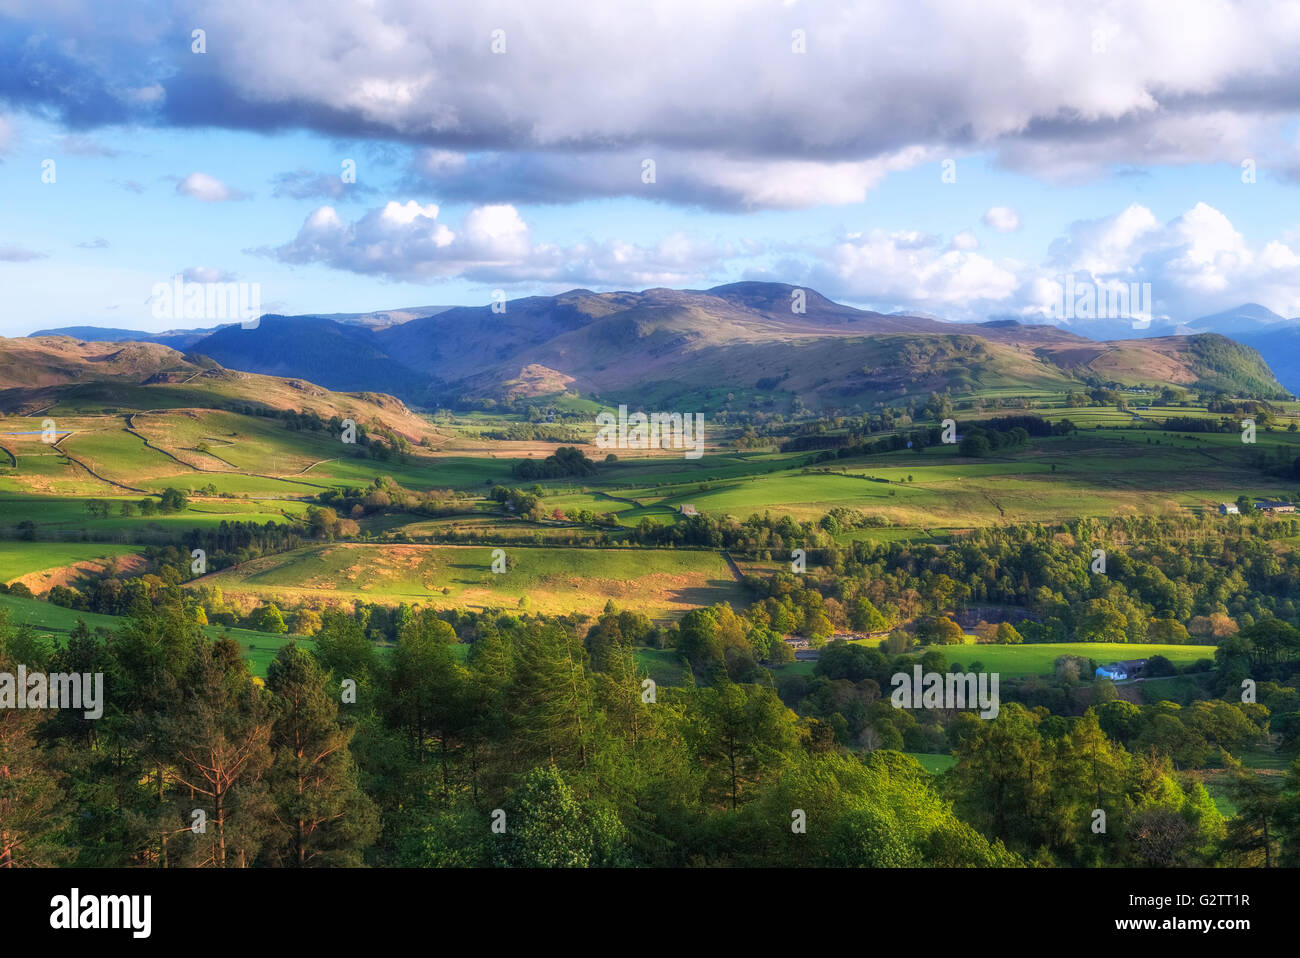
[68, 375]
[1280, 347]
[694, 348]
[334, 354]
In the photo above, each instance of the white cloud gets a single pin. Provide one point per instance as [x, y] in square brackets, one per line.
[407, 241]
[1197, 263]
[966, 241]
[149, 95]
[207, 189]
[1004, 219]
[912, 270]
[207, 274]
[1106, 246]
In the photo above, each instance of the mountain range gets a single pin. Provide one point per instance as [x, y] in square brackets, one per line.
[184, 338]
[695, 348]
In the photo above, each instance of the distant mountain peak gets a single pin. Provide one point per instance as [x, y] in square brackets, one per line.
[1245, 316]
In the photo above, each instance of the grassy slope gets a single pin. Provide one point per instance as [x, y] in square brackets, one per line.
[661, 583]
[259, 647]
[22, 558]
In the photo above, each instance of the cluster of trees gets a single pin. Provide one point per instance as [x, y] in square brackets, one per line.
[230, 543]
[587, 517]
[384, 444]
[851, 685]
[826, 430]
[978, 441]
[528, 504]
[564, 462]
[850, 440]
[192, 764]
[1042, 790]
[758, 536]
[171, 501]
[1184, 579]
[1266, 649]
[518, 405]
[1109, 396]
[617, 633]
[1033, 780]
[525, 755]
[375, 442]
[844, 446]
[1244, 407]
[535, 430]
[324, 522]
[717, 641]
[1008, 432]
[113, 595]
[521, 502]
[1198, 424]
[550, 722]
[385, 494]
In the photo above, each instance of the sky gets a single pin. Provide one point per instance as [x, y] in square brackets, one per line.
[956, 159]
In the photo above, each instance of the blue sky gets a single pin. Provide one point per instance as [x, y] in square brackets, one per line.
[1108, 145]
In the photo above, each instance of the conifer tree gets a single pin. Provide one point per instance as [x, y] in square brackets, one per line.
[324, 817]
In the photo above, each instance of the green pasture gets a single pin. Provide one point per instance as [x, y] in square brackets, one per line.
[19, 558]
[662, 583]
[1018, 661]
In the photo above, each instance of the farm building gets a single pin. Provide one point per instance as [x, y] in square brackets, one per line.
[689, 510]
[1228, 509]
[1274, 505]
[1121, 671]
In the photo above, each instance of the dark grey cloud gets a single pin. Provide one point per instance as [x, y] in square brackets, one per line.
[1059, 88]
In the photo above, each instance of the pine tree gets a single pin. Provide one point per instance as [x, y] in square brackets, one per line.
[427, 686]
[31, 800]
[742, 731]
[218, 741]
[324, 816]
[551, 697]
